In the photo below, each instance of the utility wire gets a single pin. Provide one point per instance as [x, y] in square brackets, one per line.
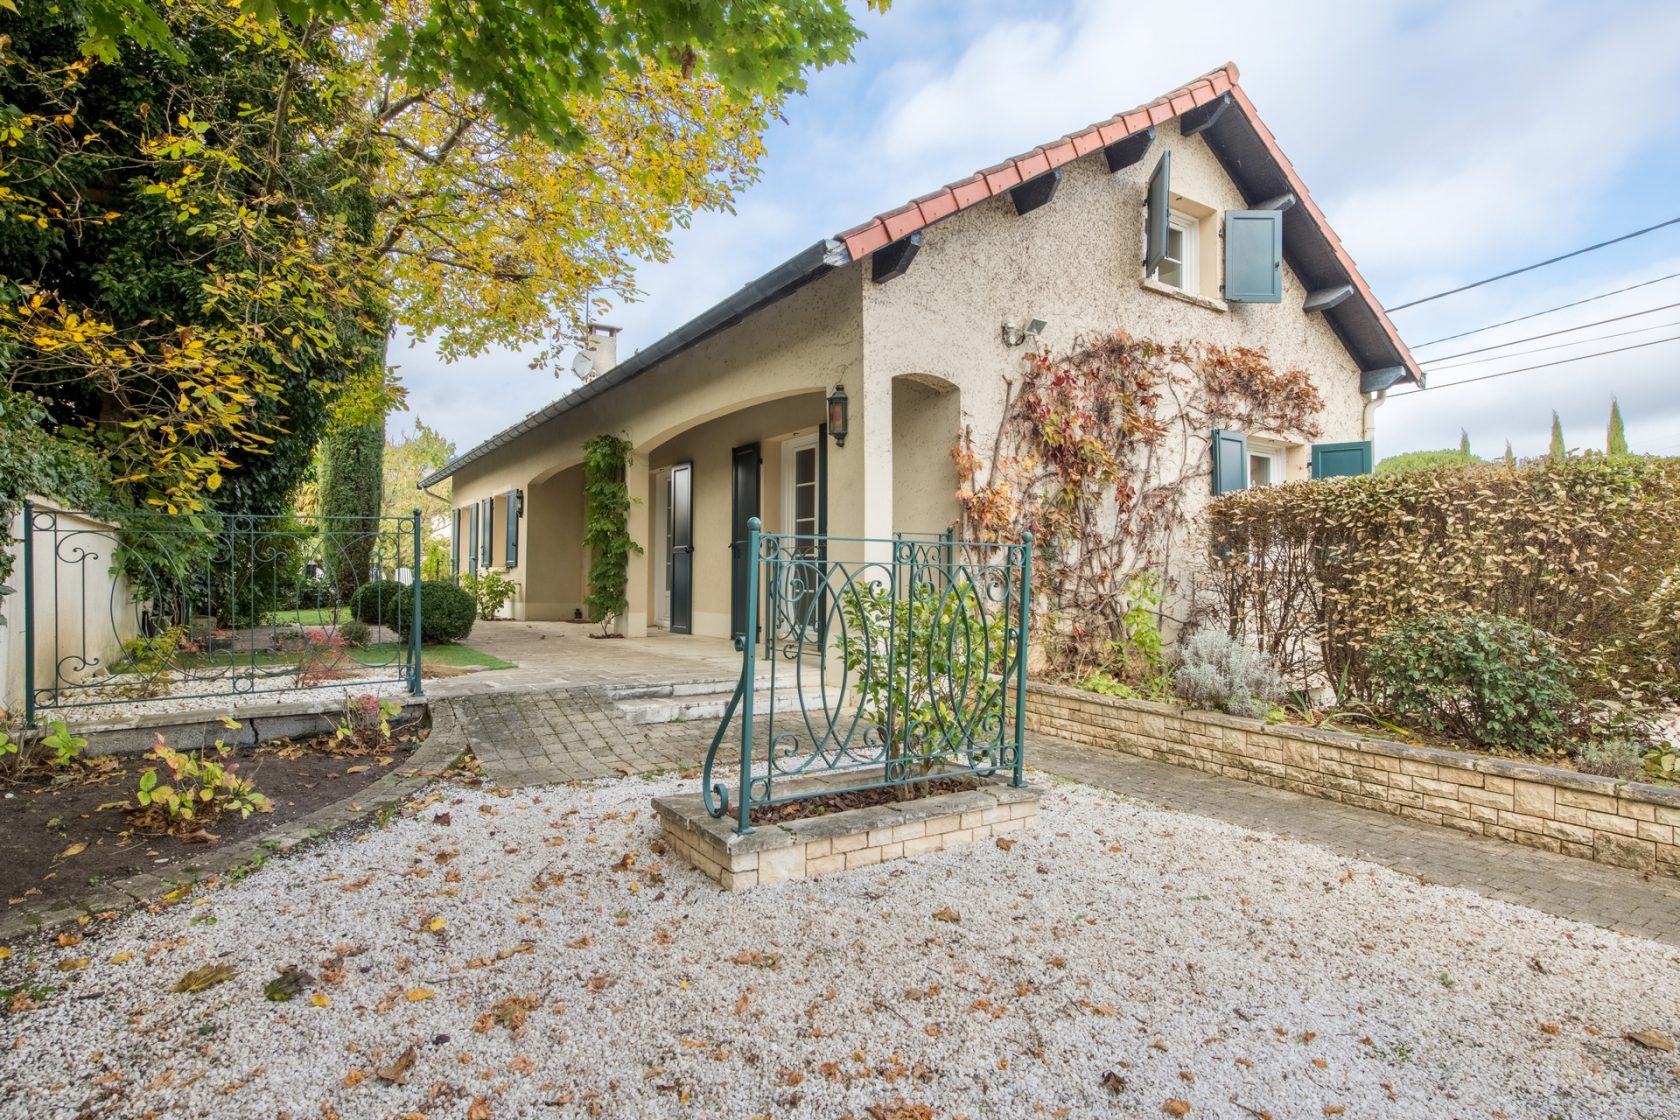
[1526, 369]
[1548, 311]
[1553, 334]
[1556, 346]
[1540, 264]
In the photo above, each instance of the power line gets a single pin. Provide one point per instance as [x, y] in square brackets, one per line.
[1532, 267]
[1552, 334]
[1548, 311]
[1557, 346]
[1527, 369]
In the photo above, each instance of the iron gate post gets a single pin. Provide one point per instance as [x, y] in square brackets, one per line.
[28, 613]
[749, 675]
[1022, 648]
[414, 686]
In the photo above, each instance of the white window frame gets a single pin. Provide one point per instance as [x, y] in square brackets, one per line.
[1189, 228]
[1276, 455]
[790, 472]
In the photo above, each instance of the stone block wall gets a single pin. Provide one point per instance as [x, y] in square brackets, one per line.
[1627, 824]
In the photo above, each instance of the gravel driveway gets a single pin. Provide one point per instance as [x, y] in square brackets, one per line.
[539, 956]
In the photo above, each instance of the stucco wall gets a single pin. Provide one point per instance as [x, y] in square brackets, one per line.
[553, 562]
[806, 343]
[1076, 263]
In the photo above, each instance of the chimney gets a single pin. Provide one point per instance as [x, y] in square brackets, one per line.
[603, 347]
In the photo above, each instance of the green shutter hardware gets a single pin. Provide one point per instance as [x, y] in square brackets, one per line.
[1254, 256]
[1336, 460]
[511, 544]
[1160, 205]
[1230, 461]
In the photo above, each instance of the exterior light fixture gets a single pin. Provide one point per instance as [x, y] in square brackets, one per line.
[1014, 334]
[837, 415]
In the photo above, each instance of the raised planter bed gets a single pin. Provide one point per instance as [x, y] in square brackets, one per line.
[1625, 824]
[853, 838]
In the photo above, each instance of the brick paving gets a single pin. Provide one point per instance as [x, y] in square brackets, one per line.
[558, 735]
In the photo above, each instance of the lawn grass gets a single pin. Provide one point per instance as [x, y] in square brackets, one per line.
[379, 655]
[312, 616]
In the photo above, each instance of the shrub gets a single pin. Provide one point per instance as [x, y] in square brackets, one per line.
[491, 588]
[196, 792]
[376, 603]
[355, 632]
[446, 612]
[1494, 681]
[1622, 759]
[606, 526]
[1220, 673]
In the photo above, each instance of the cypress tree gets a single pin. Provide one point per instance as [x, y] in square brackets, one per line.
[1559, 450]
[1616, 442]
[1464, 443]
[1510, 456]
[352, 487]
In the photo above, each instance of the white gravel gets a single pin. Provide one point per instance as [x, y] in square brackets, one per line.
[1242, 974]
[209, 695]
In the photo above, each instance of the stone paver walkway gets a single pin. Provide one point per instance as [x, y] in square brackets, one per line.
[558, 735]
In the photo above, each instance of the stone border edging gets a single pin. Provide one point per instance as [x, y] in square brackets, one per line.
[193, 731]
[423, 766]
[1623, 824]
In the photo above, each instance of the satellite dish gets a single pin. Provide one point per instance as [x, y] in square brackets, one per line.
[584, 365]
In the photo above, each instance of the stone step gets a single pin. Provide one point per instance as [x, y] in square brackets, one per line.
[706, 705]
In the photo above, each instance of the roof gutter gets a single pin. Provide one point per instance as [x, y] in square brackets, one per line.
[794, 273]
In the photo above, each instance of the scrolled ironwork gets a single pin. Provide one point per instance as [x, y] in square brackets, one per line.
[886, 663]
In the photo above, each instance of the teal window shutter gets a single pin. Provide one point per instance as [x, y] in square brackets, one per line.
[1335, 460]
[455, 545]
[1254, 256]
[1160, 205]
[1230, 461]
[511, 544]
[486, 538]
[472, 538]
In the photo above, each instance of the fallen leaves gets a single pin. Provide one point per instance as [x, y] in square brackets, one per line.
[1004, 843]
[289, 983]
[75, 849]
[199, 979]
[1651, 1040]
[397, 1072]
[1174, 1106]
[946, 914]
[1113, 1082]
[415, 995]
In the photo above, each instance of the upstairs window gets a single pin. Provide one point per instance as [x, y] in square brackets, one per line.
[1180, 265]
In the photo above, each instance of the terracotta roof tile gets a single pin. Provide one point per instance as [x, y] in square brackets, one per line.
[880, 231]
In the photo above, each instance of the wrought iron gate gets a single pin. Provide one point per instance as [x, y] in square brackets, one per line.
[884, 663]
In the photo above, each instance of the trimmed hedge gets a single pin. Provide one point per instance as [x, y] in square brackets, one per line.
[446, 612]
[376, 603]
[1315, 573]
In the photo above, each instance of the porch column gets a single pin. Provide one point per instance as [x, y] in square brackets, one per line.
[634, 623]
[860, 474]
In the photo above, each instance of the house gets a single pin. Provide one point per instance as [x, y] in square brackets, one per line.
[1178, 219]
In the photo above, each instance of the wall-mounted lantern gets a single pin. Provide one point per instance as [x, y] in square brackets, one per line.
[837, 415]
[1014, 333]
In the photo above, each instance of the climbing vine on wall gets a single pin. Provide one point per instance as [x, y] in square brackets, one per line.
[606, 527]
[1104, 453]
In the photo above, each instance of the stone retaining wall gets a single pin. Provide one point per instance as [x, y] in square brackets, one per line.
[1627, 824]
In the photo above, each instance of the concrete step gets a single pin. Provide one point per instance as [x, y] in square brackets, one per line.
[691, 705]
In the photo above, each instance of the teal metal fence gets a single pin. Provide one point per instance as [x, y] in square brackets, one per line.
[883, 663]
[171, 609]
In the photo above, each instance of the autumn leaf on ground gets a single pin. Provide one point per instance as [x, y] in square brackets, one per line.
[1004, 843]
[900, 1109]
[479, 1109]
[946, 914]
[441, 818]
[1113, 1082]
[207, 977]
[75, 849]
[578, 942]
[600, 982]
[1651, 1040]
[415, 995]
[1176, 1107]
[286, 985]
[397, 1072]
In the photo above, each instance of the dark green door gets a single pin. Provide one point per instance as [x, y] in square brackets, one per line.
[682, 548]
[744, 506]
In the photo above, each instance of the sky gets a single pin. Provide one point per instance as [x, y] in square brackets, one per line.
[1446, 142]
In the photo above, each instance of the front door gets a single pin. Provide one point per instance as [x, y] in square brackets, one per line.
[682, 548]
[744, 504]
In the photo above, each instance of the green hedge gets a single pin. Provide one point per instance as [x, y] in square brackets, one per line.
[376, 603]
[446, 612]
[1316, 573]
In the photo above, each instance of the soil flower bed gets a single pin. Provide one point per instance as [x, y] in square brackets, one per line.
[536, 953]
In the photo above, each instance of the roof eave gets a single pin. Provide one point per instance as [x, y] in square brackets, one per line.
[792, 274]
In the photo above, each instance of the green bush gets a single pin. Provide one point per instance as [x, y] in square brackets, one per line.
[376, 603]
[446, 612]
[1622, 759]
[1488, 679]
[1219, 673]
